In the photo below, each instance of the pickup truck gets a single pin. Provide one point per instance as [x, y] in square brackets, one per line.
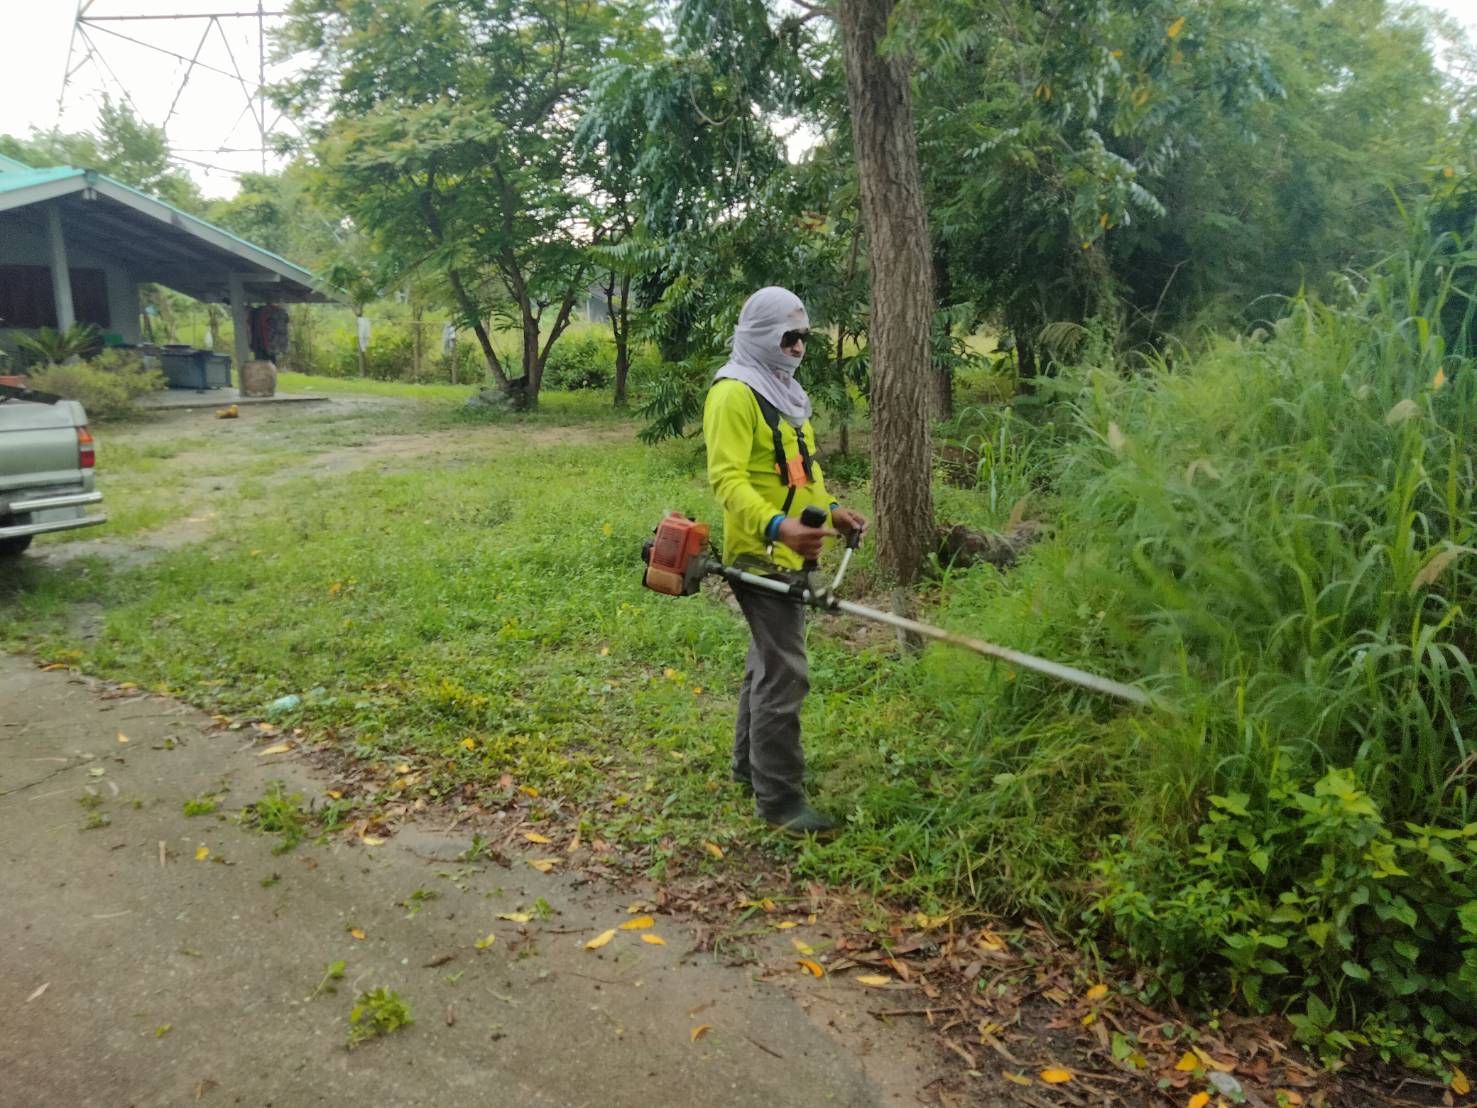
[46, 468]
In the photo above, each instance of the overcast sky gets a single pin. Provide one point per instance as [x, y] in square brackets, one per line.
[210, 123]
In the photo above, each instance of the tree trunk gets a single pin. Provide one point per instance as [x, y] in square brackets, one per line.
[472, 316]
[943, 373]
[620, 329]
[417, 352]
[901, 289]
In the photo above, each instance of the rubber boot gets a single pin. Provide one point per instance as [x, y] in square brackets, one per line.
[799, 819]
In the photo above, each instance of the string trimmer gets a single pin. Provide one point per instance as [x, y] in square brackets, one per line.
[677, 560]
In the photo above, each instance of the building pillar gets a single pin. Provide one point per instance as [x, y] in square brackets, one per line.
[239, 328]
[61, 275]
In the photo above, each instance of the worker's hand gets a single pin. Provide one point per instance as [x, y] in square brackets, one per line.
[803, 540]
[848, 522]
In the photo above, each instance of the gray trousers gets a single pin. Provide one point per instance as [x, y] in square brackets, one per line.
[766, 740]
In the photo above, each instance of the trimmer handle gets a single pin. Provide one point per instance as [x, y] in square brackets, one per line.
[812, 517]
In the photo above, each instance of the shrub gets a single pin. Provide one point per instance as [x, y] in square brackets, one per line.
[107, 386]
[580, 363]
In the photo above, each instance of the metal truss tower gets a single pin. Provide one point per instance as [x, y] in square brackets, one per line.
[90, 31]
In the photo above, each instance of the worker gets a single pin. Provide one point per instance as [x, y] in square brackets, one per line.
[762, 467]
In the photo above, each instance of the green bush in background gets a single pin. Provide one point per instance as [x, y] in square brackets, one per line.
[108, 385]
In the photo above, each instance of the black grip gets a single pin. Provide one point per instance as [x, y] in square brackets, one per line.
[813, 517]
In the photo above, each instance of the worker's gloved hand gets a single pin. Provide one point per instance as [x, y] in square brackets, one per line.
[803, 540]
[848, 522]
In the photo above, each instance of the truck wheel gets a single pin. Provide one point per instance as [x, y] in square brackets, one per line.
[11, 547]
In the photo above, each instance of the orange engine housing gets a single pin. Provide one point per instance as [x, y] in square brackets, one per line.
[675, 563]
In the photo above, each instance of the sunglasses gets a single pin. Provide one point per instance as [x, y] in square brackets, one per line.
[790, 338]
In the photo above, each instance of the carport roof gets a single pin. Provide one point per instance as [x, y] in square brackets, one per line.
[155, 241]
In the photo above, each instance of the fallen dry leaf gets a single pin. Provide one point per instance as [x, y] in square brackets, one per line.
[714, 849]
[470, 743]
[1055, 1076]
[53, 666]
[785, 925]
[1016, 1078]
[371, 840]
[483, 944]
[39, 990]
[515, 917]
[1290, 1097]
[122, 738]
[275, 748]
[528, 791]
[335, 794]
[654, 939]
[1188, 1063]
[535, 837]
[356, 932]
[202, 853]
[874, 980]
[640, 923]
[802, 947]
[1459, 1083]
[574, 844]
[543, 865]
[1199, 1100]
[700, 1030]
[1097, 992]
[812, 968]
[600, 940]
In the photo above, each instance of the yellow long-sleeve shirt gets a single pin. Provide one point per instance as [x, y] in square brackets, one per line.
[741, 470]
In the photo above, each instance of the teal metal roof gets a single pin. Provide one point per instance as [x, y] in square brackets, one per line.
[14, 179]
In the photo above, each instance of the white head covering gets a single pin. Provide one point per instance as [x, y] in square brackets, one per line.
[757, 359]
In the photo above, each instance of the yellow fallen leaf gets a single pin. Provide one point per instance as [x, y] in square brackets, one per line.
[53, 666]
[122, 738]
[608, 530]
[600, 940]
[700, 1030]
[1459, 1083]
[202, 853]
[335, 794]
[640, 923]
[812, 968]
[1174, 29]
[483, 944]
[785, 925]
[1199, 1100]
[654, 939]
[636, 907]
[266, 728]
[515, 917]
[371, 840]
[1097, 992]
[535, 837]
[356, 932]
[990, 941]
[1439, 379]
[697, 690]
[276, 748]
[1015, 1078]
[874, 980]
[714, 849]
[802, 947]
[1212, 1063]
[1116, 439]
[605, 652]
[1055, 1077]
[670, 674]
[528, 791]
[470, 743]
[1288, 1096]
[543, 865]
[333, 589]
[574, 844]
[1188, 1063]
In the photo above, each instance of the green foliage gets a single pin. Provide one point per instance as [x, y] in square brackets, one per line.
[379, 1012]
[107, 386]
[201, 805]
[279, 813]
[332, 972]
[81, 340]
[580, 363]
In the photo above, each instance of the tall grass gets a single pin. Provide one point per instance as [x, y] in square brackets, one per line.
[1281, 536]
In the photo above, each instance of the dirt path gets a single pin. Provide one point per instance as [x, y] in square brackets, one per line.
[135, 974]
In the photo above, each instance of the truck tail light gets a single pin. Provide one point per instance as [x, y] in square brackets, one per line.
[86, 455]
